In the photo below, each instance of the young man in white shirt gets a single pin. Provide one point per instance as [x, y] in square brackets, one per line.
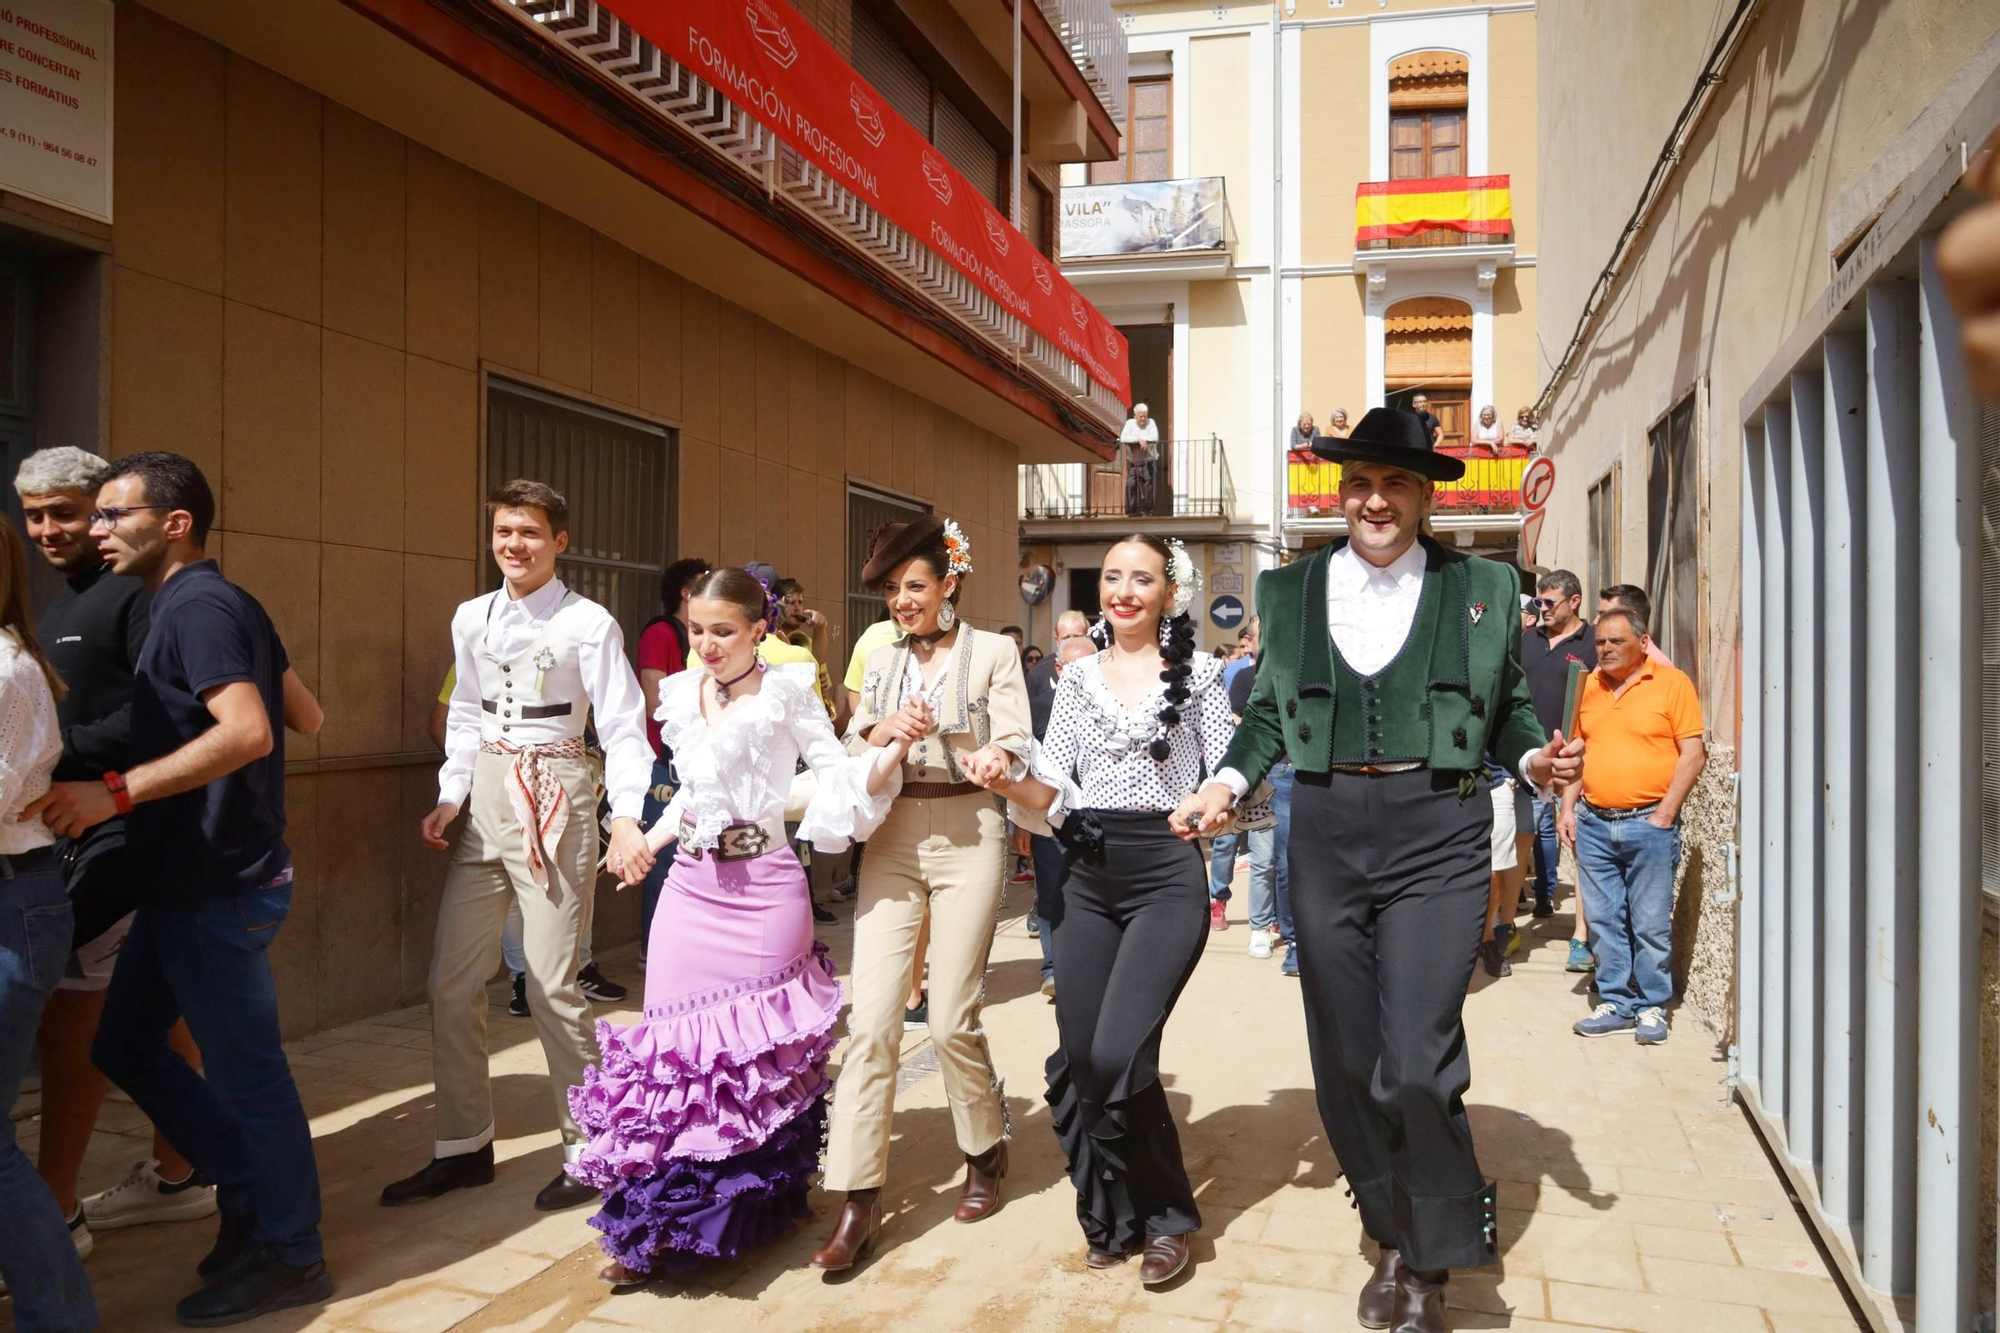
[534, 660]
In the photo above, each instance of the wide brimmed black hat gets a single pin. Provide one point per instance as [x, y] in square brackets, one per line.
[898, 542]
[1397, 438]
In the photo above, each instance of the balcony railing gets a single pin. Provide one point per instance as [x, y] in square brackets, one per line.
[1144, 218]
[1491, 484]
[1096, 42]
[1189, 480]
[1431, 211]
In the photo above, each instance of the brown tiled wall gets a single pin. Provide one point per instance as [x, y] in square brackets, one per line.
[303, 301]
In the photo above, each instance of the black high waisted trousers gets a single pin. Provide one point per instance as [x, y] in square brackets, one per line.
[1135, 920]
[1389, 881]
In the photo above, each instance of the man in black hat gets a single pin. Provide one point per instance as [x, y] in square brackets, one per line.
[1390, 666]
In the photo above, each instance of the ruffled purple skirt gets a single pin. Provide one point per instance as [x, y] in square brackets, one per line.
[703, 1121]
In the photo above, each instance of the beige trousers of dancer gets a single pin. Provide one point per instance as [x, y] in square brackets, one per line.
[488, 873]
[947, 855]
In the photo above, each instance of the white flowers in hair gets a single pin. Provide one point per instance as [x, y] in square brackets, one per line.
[957, 548]
[1183, 575]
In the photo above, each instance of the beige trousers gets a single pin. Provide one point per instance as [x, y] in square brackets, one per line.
[489, 873]
[948, 856]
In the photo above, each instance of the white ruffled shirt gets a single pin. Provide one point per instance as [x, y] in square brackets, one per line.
[30, 745]
[1096, 752]
[740, 769]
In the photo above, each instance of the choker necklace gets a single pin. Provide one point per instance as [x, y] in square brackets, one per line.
[929, 640]
[722, 686]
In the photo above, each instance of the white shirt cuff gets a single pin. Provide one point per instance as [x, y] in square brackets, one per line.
[453, 795]
[1238, 786]
[628, 805]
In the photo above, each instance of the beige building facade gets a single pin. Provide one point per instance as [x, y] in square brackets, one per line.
[1759, 416]
[1309, 135]
[367, 260]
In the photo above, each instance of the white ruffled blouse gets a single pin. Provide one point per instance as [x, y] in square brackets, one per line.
[1095, 753]
[740, 770]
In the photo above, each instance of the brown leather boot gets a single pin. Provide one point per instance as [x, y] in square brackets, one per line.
[980, 1194]
[1420, 1300]
[1165, 1257]
[1377, 1306]
[854, 1232]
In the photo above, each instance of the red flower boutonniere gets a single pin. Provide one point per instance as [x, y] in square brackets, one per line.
[1478, 610]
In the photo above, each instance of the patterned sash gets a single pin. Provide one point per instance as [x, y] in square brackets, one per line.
[537, 797]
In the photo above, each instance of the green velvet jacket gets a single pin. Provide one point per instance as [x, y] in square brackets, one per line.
[1473, 698]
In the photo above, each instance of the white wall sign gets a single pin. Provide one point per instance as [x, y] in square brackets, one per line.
[55, 103]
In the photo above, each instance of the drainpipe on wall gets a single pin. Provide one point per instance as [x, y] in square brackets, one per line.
[1280, 473]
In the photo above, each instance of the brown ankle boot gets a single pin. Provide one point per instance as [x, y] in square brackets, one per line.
[854, 1232]
[1377, 1306]
[1420, 1300]
[981, 1193]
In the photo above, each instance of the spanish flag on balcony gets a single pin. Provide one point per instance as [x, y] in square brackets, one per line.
[1481, 205]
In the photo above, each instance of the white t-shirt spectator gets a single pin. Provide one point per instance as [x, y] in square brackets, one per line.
[1146, 437]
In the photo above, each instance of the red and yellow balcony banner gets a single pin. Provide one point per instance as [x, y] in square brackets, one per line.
[1491, 484]
[1479, 205]
[769, 60]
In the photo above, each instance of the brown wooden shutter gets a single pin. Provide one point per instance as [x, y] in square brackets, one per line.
[975, 155]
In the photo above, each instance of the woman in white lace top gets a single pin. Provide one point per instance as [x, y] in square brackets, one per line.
[38, 1260]
[704, 1119]
[1131, 731]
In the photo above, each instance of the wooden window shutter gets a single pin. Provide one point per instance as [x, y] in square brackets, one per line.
[1427, 339]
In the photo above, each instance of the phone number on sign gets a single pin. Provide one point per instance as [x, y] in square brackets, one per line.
[49, 145]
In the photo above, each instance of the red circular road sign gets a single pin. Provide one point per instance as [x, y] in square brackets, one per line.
[1537, 483]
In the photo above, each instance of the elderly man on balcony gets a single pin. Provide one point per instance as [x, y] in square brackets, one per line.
[1140, 443]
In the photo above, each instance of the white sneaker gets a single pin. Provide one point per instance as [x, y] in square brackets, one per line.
[143, 1197]
[1260, 943]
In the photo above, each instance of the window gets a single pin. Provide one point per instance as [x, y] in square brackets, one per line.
[868, 512]
[933, 113]
[1149, 136]
[614, 471]
[1038, 216]
[1673, 529]
[1603, 508]
[1426, 143]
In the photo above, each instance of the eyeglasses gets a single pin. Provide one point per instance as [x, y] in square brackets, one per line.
[1544, 603]
[108, 519]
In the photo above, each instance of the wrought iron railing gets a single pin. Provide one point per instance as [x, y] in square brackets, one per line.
[1430, 211]
[1188, 479]
[1491, 485]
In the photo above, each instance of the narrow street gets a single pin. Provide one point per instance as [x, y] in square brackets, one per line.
[1633, 1195]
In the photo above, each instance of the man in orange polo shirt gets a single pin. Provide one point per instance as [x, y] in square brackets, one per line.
[1641, 726]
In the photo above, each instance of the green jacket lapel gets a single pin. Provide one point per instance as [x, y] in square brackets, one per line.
[1315, 638]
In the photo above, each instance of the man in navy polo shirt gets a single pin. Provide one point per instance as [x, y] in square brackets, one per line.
[205, 810]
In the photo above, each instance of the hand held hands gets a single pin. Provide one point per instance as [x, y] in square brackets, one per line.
[630, 857]
[1201, 813]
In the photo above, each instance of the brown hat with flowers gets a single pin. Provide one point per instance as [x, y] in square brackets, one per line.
[898, 542]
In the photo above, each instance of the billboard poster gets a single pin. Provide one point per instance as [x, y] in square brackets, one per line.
[55, 103]
[1142, 218]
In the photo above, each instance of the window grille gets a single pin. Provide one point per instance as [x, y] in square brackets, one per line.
[868, 512]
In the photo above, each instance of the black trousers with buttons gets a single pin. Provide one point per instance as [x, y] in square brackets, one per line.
[1389, 881]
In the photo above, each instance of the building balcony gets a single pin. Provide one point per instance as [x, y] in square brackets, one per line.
[1152, 229]
[1187, 489]
[1489, 490]
[1072, 71]
[1434, 222]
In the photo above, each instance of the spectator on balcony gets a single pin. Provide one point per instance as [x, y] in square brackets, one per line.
[1141, 445]
[1337, 426]
[1486, 435]
[1522, 433]
[1421, 405]
[1304, 433]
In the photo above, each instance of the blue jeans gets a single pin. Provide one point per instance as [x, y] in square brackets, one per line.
[1627, 871]
[1051, 870]
[37, 1257]
[239, 1121]
[1222, 865]
[1547, 852]
[1280, 777]
[657, 797]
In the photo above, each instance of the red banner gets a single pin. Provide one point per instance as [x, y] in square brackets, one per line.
[770, 61]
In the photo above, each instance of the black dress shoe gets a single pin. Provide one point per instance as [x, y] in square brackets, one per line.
[1420, 1300]
[1164, 1258]
[442, 1176]
[821, 914]
[1377, 1306]
[232, 1243]
[565, 1191]
[257, 1286]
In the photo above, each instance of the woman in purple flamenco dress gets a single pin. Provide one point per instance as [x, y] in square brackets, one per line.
[704, 1119]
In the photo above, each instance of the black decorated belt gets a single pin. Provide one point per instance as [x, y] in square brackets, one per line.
[1636, 812]
[938, 791]
[529, 711]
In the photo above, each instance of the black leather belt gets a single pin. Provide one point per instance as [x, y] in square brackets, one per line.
[530, 710]
[15, 863]
[1636, 812]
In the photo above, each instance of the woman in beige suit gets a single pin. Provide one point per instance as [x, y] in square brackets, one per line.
[957, 696]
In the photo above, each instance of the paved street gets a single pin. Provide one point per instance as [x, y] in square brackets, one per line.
[1633, 1196]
